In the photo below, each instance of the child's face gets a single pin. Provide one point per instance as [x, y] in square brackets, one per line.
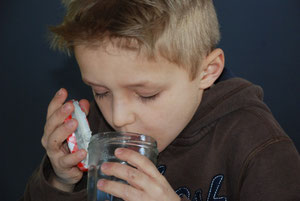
[155, 98]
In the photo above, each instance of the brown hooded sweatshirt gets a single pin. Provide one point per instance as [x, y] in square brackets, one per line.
[232, 150]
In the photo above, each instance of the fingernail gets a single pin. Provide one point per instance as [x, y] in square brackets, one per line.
[66, 107]
[59, 92]
[119, 151]
[100, 183]
[70, 123]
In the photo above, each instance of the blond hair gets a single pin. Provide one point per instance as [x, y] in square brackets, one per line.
[182, 31]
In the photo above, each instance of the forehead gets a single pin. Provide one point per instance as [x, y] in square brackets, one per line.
[139, 50]
[100, 64]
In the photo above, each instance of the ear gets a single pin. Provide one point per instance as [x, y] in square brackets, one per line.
[211, 68]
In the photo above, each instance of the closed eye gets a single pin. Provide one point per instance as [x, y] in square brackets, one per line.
[100, 95]
[148, 98]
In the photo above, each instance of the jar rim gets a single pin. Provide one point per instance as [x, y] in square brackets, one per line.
[130, 136]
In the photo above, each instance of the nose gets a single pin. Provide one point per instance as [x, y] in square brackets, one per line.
[122, 113]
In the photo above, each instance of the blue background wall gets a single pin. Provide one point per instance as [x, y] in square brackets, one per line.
[260, 40]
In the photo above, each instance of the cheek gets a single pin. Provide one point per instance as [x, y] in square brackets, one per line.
[160, 122]
[175, 112]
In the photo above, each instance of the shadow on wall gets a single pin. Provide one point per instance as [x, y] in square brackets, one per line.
[69, 77]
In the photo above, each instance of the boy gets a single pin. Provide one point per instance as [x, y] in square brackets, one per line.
[152, 66]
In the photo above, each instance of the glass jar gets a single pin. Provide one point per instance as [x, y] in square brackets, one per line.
[101, 149]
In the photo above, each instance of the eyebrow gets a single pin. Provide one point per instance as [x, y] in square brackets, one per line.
[140, 84]
[133, 85]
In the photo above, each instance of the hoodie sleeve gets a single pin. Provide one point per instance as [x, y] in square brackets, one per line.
[272, 172]
[38, 188]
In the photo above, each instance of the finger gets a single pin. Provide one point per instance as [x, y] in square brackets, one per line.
[56, 120]
[56, 139]
[120, 190]
[85, 105]
[66, 174]
[132, 175]
[57, 101]
[139, 161]
[71, 160]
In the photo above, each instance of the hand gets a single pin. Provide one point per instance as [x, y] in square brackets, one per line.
[145, 181]
[66, 173]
